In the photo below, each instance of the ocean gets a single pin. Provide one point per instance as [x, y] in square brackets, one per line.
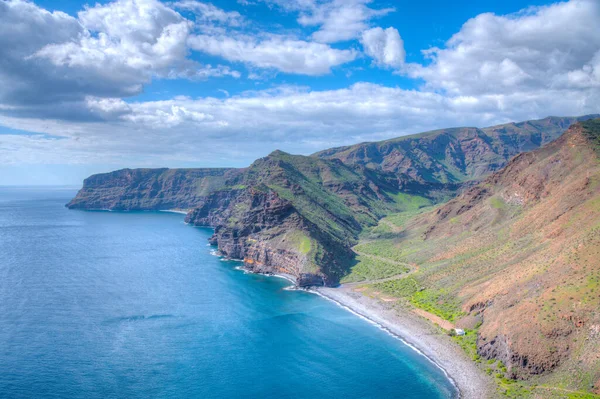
[136, 305]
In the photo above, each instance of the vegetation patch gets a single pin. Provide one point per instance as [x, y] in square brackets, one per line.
[591, 129]
[438, 302]
[368, 268]
[497, 203]
[302, 242]
[409, 202]
[401, 288]
[468, 343]
[381, 248]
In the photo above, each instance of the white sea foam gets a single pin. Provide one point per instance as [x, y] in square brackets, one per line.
[380, 326]
[182, 212]
[388, 331]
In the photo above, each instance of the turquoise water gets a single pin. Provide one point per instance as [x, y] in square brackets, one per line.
[133, 305]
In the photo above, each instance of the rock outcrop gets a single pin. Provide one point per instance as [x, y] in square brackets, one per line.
[148, 189]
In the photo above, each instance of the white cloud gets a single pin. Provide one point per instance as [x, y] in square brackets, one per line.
[236, 130]
[341, 20]
[277, 52]
[204, 72]
[337, 20]
[386, 47]
[539, 48]
[542, 61]
[132, 39]
[207, 12]
[52, 61]
[26, 28]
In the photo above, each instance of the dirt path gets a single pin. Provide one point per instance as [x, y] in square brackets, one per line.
[381, 280]
[413, 269]
[395, 229]
[445, 324]
[382, 259]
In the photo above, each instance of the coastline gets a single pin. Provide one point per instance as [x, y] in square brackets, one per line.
[419, 334]
[179, 211]
[415, 332]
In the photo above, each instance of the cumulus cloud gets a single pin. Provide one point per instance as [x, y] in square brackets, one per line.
[540, 48]
[386, 47]
[236, 130]
[336, 20]
[130, 39]
[61, 81]
[114, 49]
[277, 52]
[53, 61]
[25, 28]
[340, 19]
[207, 12]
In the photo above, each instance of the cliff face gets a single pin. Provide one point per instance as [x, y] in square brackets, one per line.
[284, 214]
[453, 155]
[301, 215]
[295, 215]
[148, 189]
[265, 231]
[520, 254]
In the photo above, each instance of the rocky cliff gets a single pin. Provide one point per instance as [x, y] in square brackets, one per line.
[301, 215]
[517, 258]
[148, 189]
[456, 154]
[296, 215]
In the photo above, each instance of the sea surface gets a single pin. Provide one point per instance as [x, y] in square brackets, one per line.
[134, 305]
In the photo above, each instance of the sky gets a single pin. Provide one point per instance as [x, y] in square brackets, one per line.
[92, 87]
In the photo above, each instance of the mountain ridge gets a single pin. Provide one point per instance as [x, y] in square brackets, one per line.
[453, 155]
[324, 203]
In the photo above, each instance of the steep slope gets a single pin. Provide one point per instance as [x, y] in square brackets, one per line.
[453, 155]
[301, 215]
[517, 259]
[284, 214]
[298, 215]
[148, 189]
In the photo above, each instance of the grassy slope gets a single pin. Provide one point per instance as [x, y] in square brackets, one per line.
[336, 202]
[525, 247]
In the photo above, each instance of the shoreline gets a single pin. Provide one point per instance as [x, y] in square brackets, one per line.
[421, 336]
[179, 211]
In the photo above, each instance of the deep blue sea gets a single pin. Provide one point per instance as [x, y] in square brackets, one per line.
[133, 305]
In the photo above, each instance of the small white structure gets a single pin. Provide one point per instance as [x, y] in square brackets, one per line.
[459, 331]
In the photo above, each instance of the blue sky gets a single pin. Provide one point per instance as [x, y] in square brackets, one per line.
[143, 83]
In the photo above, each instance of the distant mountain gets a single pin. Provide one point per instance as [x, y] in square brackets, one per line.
[456, 154]
[301, 215]
[148, 189]
[518, 258]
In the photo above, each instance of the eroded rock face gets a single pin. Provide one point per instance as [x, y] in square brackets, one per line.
[456, 154]
[520, 364]
[148, 189]
[262, 229]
